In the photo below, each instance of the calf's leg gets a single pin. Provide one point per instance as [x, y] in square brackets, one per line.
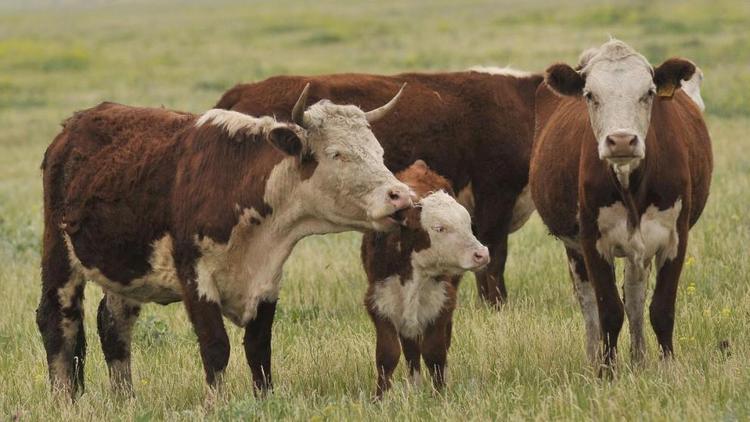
[413, 356]
[387, 352]
[435, 349]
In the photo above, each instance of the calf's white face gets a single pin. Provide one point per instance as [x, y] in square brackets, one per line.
[619, 86]
[453, 248]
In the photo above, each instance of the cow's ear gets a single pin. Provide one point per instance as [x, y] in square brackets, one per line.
[564, 80]
[286, 140]
[667, 77]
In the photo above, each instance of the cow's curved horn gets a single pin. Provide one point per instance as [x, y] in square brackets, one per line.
[298, 112]
[380, 112]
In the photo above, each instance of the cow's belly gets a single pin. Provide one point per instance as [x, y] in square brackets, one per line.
[411, 307]
[224, 276]
[655, 236]
[522, 209]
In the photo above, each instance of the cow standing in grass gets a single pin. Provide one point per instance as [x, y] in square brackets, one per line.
[159, 206]
[621, 169]
[475, 128]
[413, 275]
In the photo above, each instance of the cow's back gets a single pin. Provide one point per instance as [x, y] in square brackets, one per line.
[561, 127]
[467, 126]
[113, 163]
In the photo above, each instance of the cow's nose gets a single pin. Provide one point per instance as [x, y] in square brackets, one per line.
[482, 256]
[622, 145]
[399, 197]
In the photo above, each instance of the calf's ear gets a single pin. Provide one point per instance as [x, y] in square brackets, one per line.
[668, 75]
[564, 80]
[285, 139]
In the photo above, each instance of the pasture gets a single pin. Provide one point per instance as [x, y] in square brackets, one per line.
[526, 361]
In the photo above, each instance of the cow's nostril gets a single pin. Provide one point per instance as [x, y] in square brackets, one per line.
[611, 142]
[633, 141]
[394, 195]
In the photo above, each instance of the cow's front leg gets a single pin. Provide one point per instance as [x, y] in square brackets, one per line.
[204, 312]
[611, 314]
[662, 309]
[258, 346]
[586, 296]
[115, 320]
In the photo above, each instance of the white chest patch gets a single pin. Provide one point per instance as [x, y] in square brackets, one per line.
[655, 236]
[411, 307]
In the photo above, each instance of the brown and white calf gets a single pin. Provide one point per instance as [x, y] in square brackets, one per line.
[160, 206]
[413, 275]
[475, 128]
[621, 168]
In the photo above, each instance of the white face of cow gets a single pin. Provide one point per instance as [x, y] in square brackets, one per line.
[350, 187]
[453, 248]
[619, 86]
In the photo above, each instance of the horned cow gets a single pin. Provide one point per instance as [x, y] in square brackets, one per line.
[160, 206]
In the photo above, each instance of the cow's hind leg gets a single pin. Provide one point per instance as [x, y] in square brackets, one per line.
[586, 296]
[59, 317]
[493, 215]
[634, 292]
[115, 321]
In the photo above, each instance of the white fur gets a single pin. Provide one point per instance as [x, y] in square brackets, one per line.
[233, 122]
[692, 88]
[411, 307]
[587, 301]
[634, 292]
[619, 80]
[507, 71]
[656, 235]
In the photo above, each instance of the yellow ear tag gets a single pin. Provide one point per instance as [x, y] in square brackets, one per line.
[666, 90]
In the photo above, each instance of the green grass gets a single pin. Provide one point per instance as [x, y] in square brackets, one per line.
[525, 362]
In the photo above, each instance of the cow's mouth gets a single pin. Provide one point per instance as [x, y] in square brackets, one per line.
[398, 217]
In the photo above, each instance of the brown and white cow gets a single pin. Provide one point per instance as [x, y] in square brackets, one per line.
[413, 275]
[160, 206]
[475, 128]
[621, 169]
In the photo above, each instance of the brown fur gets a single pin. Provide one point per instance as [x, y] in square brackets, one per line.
[468, 126]
[569, 179]
[116, 179]
[388, 254]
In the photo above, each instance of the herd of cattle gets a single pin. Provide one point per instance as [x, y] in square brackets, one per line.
[162, 206]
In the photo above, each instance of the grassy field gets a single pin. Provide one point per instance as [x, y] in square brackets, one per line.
[525, 362]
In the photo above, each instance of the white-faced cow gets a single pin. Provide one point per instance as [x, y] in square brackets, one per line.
[475, 128]
[413, 275]
[621, 169]
[159, 206]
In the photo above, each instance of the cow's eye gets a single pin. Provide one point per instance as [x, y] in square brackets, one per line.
[648, 95]
[335, 155]
[588, 95]
[439, 229]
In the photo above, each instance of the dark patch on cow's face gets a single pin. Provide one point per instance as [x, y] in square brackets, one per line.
[307, 166]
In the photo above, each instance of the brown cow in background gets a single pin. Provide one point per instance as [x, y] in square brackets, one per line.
[475, 128]
[621, 169]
